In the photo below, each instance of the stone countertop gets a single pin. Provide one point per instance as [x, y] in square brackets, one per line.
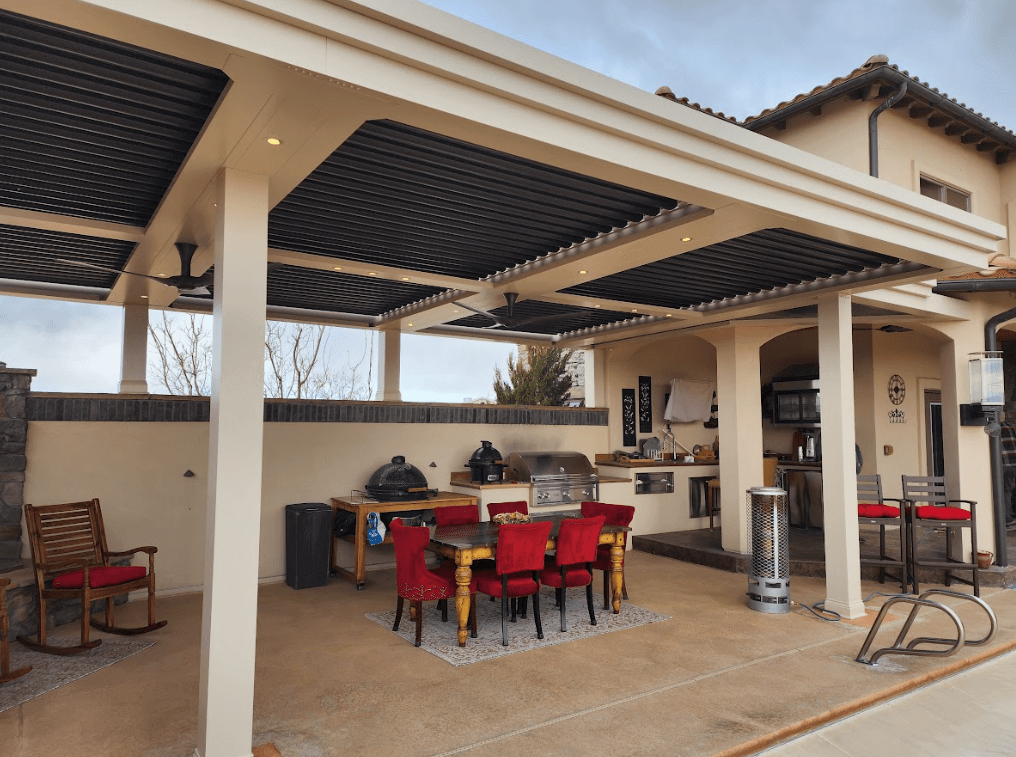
[656, 463]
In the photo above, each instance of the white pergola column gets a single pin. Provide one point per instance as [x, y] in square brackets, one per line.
[739, 403]
[839, 471]
[596, 377]
[389, 366]
[134, 357]
[229, 611]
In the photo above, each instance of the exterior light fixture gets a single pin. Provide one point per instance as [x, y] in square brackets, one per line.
[274, 141]
[986, 380]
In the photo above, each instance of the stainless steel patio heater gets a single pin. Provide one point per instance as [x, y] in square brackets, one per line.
[769, 562]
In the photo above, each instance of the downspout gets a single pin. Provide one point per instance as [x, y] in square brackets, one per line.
[995, 449]
[894, 98]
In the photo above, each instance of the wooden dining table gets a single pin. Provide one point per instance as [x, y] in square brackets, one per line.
[477, 541]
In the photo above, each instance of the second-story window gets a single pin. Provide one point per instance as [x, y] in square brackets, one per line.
[936, 190]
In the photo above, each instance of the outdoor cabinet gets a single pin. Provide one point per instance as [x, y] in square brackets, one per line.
[308, 541]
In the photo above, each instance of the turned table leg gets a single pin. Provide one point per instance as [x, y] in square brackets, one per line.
[463, 576]
[616, 574]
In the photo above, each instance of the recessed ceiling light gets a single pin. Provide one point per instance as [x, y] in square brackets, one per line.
[409, 324]
[338, 268]
[685, 239]
[583, 272]
[405, 278]
[163, 275]
[372, 273]
[669, 315]
[634, 310]
[596, 306]
[274, 141]
[144, 296]
[455, 311]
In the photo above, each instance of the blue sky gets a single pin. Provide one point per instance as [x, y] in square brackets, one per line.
[735, 56]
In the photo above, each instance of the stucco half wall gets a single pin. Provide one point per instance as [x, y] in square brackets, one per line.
[136, 469]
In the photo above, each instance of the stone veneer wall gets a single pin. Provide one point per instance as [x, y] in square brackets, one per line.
[14, 386]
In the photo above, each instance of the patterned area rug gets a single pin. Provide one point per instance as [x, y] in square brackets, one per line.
[52, 671]
[440, 639]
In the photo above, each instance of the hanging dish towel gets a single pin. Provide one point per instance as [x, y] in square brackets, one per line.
[689, 401]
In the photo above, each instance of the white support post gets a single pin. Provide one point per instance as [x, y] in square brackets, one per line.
[739, 403]
[596, 377]
[839, 464]
[229, 611]
[389, 366]
[134, 356]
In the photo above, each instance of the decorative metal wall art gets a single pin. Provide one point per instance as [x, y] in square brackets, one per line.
[628, 417]
[645, 405]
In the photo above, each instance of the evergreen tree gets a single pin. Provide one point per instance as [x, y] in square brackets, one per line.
[536, 376]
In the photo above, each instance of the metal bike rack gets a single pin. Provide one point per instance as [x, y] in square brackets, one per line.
[911, 649]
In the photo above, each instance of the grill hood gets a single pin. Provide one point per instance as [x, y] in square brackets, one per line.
[537, 466]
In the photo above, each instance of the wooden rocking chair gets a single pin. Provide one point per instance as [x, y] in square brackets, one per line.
[6, 674]
[69, 547]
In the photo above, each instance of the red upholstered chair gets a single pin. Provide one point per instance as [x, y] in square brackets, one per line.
[459, 515]
[572, 564]
[872, 510]
[521, 551]
[616, 515]
[928, 506]
[496, 508]
[417, 584]
[69, 549]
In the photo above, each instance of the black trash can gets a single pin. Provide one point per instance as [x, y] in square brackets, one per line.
[308, 540]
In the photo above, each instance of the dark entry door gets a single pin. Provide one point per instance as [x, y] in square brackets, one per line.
[933, 414]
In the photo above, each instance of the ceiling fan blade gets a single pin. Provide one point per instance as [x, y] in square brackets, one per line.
[199, 291]
[109, 270]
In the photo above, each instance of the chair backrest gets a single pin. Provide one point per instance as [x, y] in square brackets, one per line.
[925, 490]
[61, 533]
[522, 546]
[578, 539]
[616, 515]
[457, 515]
[496, 508]
[869, 489]
[410, 545]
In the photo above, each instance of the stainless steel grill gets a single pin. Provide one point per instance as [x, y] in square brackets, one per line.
[558, 478]
[769, 564]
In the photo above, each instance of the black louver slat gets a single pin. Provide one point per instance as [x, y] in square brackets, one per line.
[572, 318]
[32, 255]
[94, 128]
[756, 262]
[397, 195]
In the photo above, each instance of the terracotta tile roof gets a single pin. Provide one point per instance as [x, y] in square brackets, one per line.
[878, 69]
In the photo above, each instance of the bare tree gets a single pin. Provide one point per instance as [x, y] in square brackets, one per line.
[298, 361]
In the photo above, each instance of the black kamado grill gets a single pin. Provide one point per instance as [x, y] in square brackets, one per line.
[486, 465]
[398, 481]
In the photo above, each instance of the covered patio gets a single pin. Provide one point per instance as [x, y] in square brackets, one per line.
[385, 166]
[715, 679]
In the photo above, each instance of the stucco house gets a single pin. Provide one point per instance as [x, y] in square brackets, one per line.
[398, 165]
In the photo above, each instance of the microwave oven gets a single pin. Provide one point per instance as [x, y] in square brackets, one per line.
[797, 403]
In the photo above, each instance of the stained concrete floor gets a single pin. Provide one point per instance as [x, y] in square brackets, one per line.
[716, 679]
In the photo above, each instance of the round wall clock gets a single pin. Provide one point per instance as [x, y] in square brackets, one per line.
[897, 390]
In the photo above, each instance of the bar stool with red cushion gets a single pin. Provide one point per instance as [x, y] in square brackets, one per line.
[872, 510]
[417, 584]
[496, 508]
[521, 551]
[572, 565]
[928, 506]
[457, 515]
[616, 515]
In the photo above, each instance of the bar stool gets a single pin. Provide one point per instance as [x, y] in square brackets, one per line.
[928, 506]
[711, 489]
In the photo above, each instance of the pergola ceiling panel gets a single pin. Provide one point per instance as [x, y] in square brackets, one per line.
[396, 195]
[330, 291]
[553, 318]
[757, 262]
[32, 255]
[94, 128]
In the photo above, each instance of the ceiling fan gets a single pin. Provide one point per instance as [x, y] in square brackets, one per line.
[510, 320]
[185, 282]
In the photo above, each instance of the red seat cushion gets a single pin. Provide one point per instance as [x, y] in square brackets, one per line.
[575, 575]
[100, 577]
[931, 512]
[877, 511]
[519, 584]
